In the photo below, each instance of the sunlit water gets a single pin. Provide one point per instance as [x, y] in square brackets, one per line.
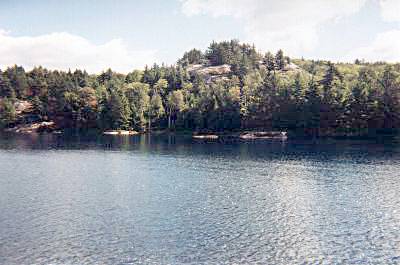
[167, 200]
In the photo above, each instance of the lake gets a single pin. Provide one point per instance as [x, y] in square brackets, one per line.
[171, 200]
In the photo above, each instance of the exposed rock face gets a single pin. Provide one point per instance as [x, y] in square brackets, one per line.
[291, 67]
[243, 136]
[211, 73]
[263, 135]
[27, 121]
[215, 70]
[210, 70]
[206, 136]
[195, 67]
[45, 126]
[120, 132]
[22, 106]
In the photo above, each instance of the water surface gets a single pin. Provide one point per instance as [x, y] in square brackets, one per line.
[169, 200]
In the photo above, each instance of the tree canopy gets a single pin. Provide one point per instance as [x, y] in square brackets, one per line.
[257, 91]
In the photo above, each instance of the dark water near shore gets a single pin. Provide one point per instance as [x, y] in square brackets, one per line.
[169, 200]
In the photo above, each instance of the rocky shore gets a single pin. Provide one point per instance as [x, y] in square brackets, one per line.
[243, 136]
[120, 132]
[37, 127]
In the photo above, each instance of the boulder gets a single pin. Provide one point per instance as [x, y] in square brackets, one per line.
[37, 127]
[22, 106]
[210, 70]
[120, 132]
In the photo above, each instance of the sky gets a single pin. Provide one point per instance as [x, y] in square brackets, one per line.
[128, 34]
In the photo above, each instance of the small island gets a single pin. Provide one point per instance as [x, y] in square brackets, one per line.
[120, 132]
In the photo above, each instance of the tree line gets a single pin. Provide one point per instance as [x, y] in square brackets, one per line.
[261, 91]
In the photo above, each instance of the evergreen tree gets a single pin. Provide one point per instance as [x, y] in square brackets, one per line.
[390, 99]
[7, 113]
[316, 97]
[269, 61]
[134, 76]
[280, 60]
[19, 83]
[6, 90]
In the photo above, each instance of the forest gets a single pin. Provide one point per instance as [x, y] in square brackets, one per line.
[230, 86]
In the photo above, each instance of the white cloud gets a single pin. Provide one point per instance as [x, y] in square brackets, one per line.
[385, 47]
[65, 51]
[390, 10]
[290, 25]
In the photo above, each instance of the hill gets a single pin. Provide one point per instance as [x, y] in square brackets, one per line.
[229, 87]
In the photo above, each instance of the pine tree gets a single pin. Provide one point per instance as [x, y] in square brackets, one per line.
[280, 60]
[6, 89]
[269, 61]
[7, 113]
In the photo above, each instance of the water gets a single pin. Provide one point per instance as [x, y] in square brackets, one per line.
[168, 200]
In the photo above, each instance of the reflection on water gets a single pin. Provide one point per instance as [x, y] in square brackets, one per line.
[169, 200]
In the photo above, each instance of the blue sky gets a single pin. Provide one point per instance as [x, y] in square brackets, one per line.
[127, 34]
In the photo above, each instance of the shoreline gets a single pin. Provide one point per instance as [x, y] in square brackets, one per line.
[224, 136]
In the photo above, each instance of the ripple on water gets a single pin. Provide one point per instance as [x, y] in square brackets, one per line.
[236, 205]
